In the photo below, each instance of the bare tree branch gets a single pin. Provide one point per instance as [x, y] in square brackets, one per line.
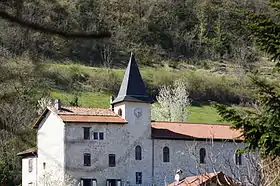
[40, 28]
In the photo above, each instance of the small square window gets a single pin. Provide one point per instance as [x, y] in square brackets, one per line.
[95, 135]
[101, 135]
[44, 165]
[112, 160]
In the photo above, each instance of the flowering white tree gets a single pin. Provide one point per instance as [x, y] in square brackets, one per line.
[172, 103]
[43, 103]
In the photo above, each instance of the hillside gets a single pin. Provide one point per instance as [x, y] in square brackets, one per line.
[93, 86]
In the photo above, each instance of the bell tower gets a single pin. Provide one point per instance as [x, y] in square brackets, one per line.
[132, 101]
[134, 105]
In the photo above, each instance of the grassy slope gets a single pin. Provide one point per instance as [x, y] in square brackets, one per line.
[204, 114]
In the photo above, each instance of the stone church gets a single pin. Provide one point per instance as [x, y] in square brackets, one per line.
[122, 146]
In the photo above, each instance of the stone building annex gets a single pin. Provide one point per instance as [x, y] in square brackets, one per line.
[121, 146]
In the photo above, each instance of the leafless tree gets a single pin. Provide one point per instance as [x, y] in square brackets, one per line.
[254, 170]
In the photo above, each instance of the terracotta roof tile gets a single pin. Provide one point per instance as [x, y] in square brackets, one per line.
[177, 130]
[92, 119]
[89, 115]
[87, 111]
[219, 178]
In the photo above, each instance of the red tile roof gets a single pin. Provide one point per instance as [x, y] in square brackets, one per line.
[204, 179]
[183, 130]
[89, 115]
[84, 115]
[86, 111]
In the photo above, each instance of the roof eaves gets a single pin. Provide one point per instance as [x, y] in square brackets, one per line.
[96, 122]
[31, 152]
[40, 118]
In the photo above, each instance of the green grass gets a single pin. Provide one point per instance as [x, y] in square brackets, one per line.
[91, 99]
[204, 114]
[199, 114]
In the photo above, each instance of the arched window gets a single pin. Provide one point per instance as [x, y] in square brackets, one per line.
[238, 158]
[120, 112]
[202, 155]
[138, 153]
[165, 154]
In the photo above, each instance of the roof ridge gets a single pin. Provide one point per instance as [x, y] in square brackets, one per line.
[85, 107]
[222, 124]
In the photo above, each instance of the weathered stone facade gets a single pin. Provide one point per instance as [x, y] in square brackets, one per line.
[62, 146]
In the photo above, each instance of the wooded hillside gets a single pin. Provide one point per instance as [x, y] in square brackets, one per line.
[205, 42]
[155, 30]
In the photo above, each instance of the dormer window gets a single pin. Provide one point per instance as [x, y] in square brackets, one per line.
[120, 112]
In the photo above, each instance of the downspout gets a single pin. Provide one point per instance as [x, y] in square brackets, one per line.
[153, 161]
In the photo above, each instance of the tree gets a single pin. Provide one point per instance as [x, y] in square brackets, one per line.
[172, 103]
[261, 125]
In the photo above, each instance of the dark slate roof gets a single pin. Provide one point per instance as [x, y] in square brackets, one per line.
[132, 88]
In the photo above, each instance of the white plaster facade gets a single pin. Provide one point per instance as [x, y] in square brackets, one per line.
[29, 171]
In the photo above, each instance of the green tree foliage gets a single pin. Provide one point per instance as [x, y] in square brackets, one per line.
[155, 30]
[261, 127]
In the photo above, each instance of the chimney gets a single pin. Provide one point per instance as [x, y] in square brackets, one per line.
[57, 104]
[111, 101]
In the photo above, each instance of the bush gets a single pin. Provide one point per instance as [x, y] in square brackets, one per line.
[104, 81]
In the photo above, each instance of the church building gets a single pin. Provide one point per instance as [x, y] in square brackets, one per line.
[122, 146]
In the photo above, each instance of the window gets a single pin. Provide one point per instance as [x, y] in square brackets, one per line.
[112, 160]
[120, 112]
[113, 182]
[202, 155]
[30, 165]
[88, 182]
[95, 135]
[86, 133]
[138, 153]
[44, 165]
[238, 158]
[87, 161]
[138, 177]
[165, 154]
[101, 135]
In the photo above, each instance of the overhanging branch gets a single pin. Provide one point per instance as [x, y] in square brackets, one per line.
[40, 28]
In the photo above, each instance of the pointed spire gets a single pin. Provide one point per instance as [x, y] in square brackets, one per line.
[133, 87]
